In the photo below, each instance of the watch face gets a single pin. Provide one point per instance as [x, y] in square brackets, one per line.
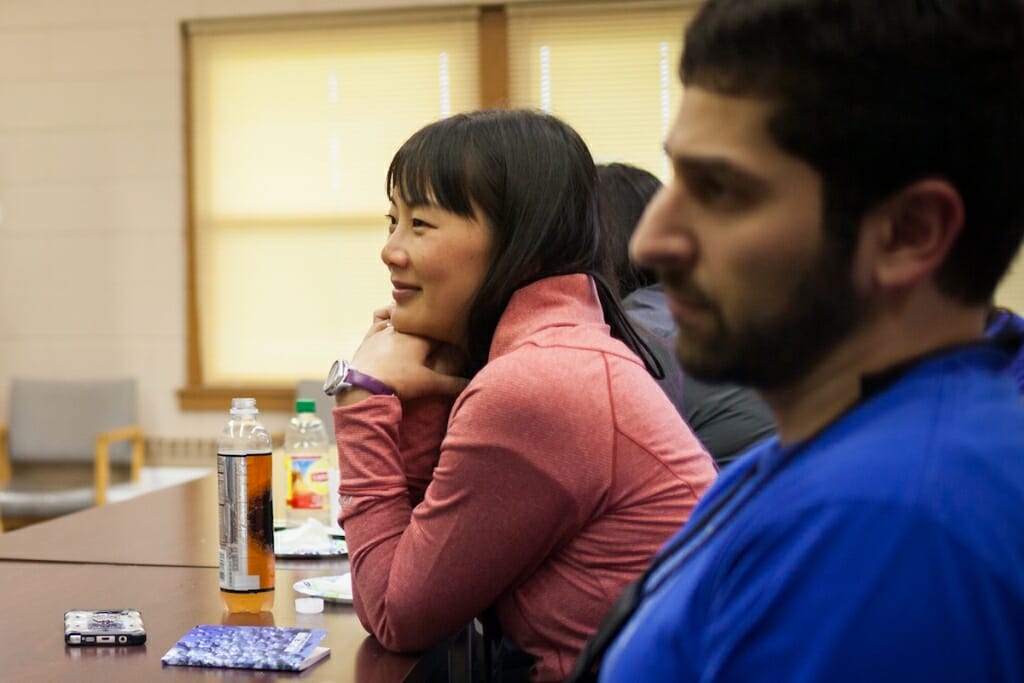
[334, 378]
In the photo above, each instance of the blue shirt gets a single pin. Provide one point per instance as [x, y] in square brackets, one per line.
[890, 547]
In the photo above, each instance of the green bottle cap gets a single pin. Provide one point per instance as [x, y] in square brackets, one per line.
[305, 405]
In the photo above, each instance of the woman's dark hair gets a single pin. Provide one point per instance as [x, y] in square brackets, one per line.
[877, 94]
[531, 177]
[623, 193]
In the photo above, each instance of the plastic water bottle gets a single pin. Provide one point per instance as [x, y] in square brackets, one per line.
[308, 465]
[246, 511]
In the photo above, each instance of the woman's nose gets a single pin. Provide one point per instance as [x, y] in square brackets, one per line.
[393, 254]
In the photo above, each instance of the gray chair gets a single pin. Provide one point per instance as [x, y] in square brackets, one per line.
[65, 443]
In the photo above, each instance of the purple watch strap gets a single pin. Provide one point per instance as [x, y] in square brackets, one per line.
[371, 384]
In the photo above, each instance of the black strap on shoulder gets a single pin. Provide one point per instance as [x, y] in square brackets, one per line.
[623, 329]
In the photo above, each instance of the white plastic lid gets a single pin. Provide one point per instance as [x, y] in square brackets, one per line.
[244, 406]
[309, 605]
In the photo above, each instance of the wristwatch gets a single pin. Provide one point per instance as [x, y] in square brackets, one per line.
[343, 376]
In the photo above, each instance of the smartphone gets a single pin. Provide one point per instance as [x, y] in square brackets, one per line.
[103, 627]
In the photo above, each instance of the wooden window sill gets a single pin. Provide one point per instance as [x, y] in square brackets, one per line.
[213, 398]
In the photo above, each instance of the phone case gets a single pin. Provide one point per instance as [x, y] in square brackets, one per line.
[103, 627]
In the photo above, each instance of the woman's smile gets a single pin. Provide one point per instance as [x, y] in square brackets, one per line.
[402, 292]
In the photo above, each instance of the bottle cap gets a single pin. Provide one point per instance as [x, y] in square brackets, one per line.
[305, 405]
[243, 406]
[309, 605]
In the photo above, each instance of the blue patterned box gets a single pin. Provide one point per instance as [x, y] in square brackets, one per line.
[248, 647]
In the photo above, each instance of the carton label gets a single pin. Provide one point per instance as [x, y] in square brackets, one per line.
[308, 484]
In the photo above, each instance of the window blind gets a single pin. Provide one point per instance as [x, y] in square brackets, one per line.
[607, 69]
[292, 131]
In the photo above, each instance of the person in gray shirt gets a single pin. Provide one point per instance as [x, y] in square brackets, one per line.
[725, 417]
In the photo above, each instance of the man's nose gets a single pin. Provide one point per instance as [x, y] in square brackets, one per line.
[662, 237]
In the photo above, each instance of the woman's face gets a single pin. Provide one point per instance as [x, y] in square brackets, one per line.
[437, 261]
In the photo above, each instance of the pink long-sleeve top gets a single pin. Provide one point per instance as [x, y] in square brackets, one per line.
[546, 488]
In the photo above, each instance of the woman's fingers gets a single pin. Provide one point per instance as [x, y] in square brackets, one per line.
[383, 313]
[381, 318]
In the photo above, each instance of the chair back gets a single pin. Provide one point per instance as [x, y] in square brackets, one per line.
[55, 421]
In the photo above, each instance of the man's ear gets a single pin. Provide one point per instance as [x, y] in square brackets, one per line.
[912, 232]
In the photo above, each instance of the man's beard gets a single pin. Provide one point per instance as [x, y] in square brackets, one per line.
[784, 348]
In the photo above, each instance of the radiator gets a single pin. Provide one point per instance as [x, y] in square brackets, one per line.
[181, 451]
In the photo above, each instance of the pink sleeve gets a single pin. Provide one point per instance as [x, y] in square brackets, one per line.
[424, 422]
[419, 427]
[492, 514]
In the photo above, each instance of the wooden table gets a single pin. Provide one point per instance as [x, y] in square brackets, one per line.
[158, 553]
[172, 600]
[175, 526]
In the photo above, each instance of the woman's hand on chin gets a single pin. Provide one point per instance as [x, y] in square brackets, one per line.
[413, 366]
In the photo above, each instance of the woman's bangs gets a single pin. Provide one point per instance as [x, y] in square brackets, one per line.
[428, 171]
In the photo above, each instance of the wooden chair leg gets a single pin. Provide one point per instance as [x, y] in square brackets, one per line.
[101, 469]
[138, 449]
[5, 456]
[102, 457]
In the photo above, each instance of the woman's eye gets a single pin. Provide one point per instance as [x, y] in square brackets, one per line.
[392, 222]
[419, 223]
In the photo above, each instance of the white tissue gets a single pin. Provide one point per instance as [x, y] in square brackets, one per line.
[311, 537]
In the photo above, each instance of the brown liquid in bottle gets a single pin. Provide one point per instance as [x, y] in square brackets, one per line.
[247, 532]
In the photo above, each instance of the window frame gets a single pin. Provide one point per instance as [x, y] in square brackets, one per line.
[197, 394]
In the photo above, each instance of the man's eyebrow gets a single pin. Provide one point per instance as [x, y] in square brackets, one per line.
[715, 165]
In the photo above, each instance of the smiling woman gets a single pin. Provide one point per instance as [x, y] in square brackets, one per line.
[431, 297]
[527, 461]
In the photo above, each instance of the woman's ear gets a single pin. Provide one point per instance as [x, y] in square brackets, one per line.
[912, 232]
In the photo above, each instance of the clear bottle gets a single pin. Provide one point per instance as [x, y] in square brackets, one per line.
[246, 511]
[307, 465]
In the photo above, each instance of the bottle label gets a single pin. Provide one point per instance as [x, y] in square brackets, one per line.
[246, 522]
[308, 483]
